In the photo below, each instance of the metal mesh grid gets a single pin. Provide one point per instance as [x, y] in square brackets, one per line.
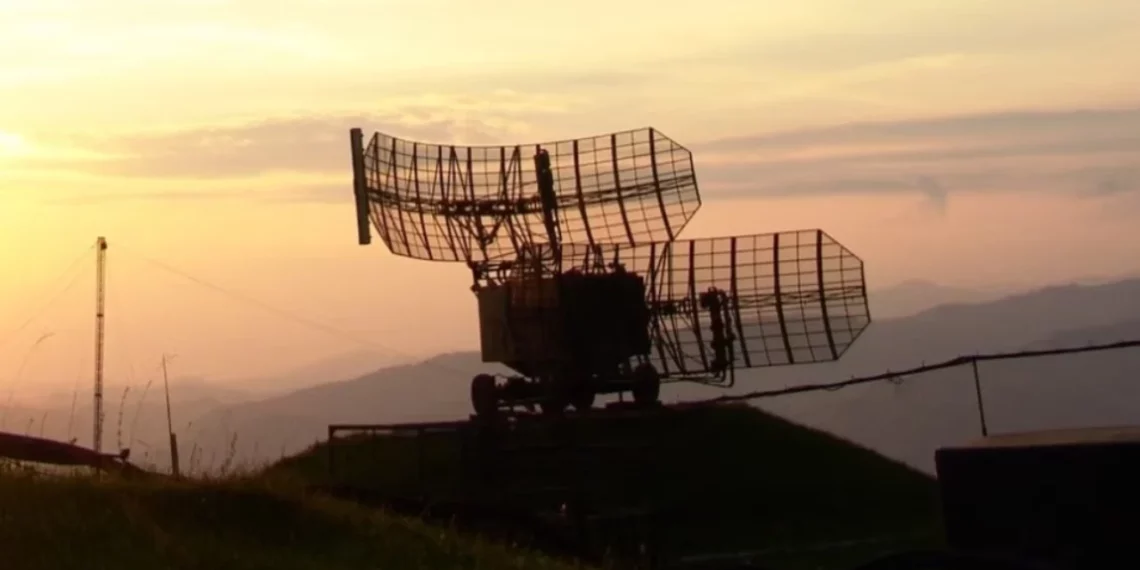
[475, 203]
[793, 297]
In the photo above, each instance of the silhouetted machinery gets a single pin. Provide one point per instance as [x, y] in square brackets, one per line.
[583, 286]
[1039, 500]
[1061, 499]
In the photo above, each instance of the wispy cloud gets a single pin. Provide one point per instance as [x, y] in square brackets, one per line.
[293, 145]
[1085, 152]
[728, 66]
[1073, 150]
[1108, 181]
[103, 197]
[1022, 125]
[1009, 28]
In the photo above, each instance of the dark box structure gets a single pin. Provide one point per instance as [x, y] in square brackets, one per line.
[1068, 498]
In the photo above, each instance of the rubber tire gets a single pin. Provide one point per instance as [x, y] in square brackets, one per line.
[584, 396]
[646, 385]
[552, 406]
[484, 395]
[557, 395]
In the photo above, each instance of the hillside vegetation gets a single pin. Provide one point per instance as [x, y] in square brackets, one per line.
[708, 480]
[80, 522]
[723, 479]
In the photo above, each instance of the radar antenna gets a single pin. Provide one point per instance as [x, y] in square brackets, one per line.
[582, 282]
[486, 205]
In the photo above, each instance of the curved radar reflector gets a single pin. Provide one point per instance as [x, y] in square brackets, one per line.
[481, 203]
[750, 301]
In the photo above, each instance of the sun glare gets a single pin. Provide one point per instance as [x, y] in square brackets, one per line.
[13, 145]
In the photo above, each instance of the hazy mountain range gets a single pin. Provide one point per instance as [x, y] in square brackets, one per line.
[914, 296]
[906, 420]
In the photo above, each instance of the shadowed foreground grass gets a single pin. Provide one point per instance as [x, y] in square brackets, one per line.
[727, 479]
[78, 522]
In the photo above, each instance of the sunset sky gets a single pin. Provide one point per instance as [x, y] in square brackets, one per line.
[966, 142]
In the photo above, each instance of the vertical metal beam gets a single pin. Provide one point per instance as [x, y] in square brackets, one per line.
[174, 466]
[547, 199]
[676, 318]
[617, 187]
[100, 314]
[360, 187]
[514, 166]
[978, 393]
[652, 294]
[419, 197]
[446, 185]
[469, 193]
[696, 304]
[385, 216]
[736, 302]
[469, 186]
[823, 294]
[780, 298]
[399, 212]
[581, 198]
[657, 183]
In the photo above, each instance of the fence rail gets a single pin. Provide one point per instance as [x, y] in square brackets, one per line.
[966, 360]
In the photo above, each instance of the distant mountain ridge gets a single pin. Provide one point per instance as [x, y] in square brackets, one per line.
[915, 296]
[330, 369]
[906, 421]
[437, 388]
[1128, 329]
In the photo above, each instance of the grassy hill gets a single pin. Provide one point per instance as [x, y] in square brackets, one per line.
[78, 522]
[723, 479]
[710, 480]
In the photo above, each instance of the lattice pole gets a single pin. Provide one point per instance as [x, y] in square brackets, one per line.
[100, 291]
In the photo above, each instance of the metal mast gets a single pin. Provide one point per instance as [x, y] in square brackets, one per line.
[100, 286]
[169, 420]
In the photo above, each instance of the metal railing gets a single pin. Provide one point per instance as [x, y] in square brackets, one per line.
[890, 376]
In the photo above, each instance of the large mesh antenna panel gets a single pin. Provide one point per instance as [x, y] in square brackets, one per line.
[795, 297]
[481, 203]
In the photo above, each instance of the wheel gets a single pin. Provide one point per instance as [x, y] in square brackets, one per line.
[557, 394]
[517, 389]
[646, 385]
[583, 398]
[484, 395]
[552, 406]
